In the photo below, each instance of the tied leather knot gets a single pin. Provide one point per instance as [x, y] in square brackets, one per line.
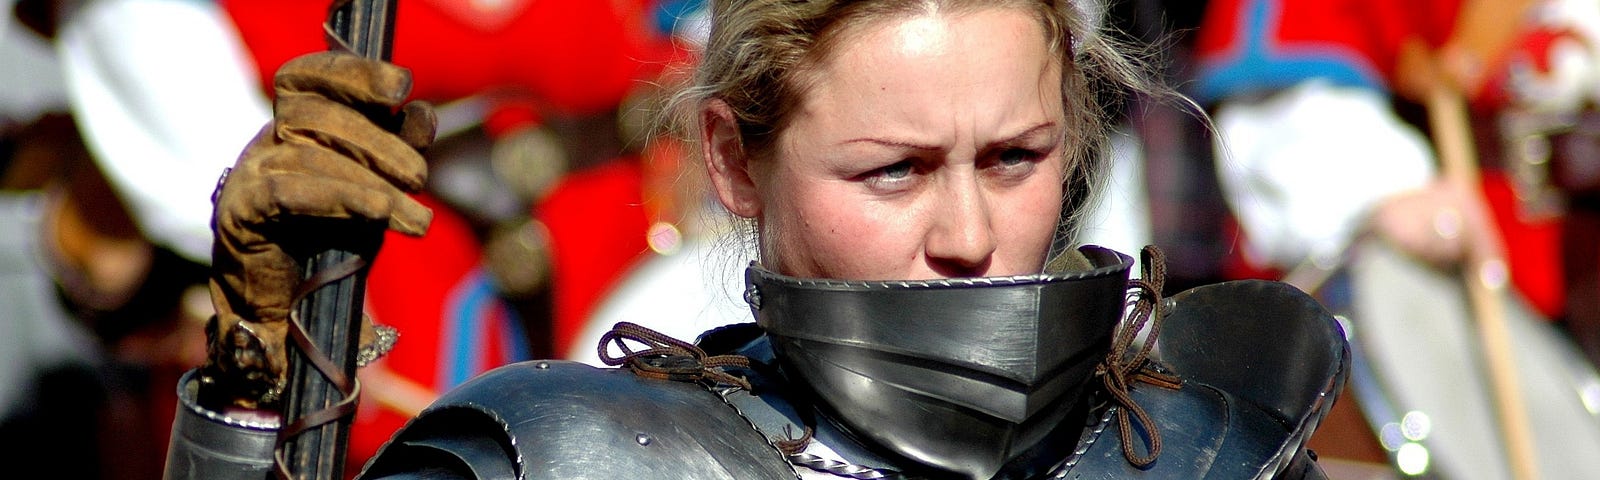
[791, 445]
[1121, 369]
[349, 388]
[668, 358]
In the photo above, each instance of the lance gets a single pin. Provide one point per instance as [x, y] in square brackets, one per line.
[325, 335]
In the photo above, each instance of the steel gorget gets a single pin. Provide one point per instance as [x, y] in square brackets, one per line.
[962, 375]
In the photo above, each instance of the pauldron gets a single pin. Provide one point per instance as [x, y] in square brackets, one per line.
[1261, 363]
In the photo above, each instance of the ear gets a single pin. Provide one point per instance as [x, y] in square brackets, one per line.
[726, 160]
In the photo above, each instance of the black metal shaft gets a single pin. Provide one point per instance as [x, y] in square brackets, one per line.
[332, 318]
[332, 314]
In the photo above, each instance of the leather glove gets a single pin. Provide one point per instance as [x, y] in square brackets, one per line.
[331, 169]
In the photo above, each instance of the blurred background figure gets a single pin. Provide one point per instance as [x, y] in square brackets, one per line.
[1322, 156]
[99, 318]
[541, 194]
[688, 278]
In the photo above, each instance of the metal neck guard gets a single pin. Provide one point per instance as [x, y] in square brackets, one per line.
[962, 375]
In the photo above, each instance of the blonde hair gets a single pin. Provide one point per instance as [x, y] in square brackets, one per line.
[759, 56]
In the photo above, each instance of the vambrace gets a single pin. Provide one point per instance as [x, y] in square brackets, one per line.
[208, 445]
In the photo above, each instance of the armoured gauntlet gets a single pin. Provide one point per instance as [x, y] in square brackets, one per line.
[333, 167]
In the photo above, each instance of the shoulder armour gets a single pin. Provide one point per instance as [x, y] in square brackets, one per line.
[556, 419]
[1262, 363]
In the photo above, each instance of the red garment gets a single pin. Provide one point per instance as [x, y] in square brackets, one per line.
[452, 324]
[1532, 247]
[1245, 45]
[1531, 56]
[597, 224]
[563, 56]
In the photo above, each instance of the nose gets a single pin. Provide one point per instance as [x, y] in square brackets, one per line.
[961, 238]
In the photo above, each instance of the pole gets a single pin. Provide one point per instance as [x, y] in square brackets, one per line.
[325, 332]
[1486, 277]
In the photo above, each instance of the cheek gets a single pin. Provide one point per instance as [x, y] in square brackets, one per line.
[830, 236]
[1044, 205]
[1028, 219]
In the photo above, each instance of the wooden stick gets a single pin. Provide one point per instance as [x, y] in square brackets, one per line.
[1487, 277]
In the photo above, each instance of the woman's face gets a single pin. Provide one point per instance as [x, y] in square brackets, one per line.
[927, 147]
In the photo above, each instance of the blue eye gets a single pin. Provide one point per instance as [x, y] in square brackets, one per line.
[897, 171]
[1015, 156]
[1014, 164]
[895, 177]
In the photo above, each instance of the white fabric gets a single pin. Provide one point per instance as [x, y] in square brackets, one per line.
[1302, 169]
[682, 295]
[166, 97]
[30, 73]
[1120, 220]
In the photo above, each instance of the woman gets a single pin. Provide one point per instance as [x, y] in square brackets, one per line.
[906, 168]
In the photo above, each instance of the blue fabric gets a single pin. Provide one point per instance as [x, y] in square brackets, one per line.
[1261, 63]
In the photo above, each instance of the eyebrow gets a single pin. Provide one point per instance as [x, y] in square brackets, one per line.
[918, 146]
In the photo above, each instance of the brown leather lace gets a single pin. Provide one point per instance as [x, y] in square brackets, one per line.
[349, 388]
[672, 359]
[668, 358]
[790, 444]
[1121, 369]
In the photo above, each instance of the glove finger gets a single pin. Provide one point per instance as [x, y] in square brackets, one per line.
[344, 78]
[321, 162]
[319, 121]
[405, 215]
[306, 195]
[418, 124]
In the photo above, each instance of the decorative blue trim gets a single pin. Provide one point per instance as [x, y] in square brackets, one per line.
[1259, 65]
[466, 311]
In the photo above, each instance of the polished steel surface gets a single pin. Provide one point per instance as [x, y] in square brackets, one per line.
[556, 419]
[208, 445]
[962, 375]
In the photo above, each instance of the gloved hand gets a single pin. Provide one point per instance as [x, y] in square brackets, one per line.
[335, 160]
